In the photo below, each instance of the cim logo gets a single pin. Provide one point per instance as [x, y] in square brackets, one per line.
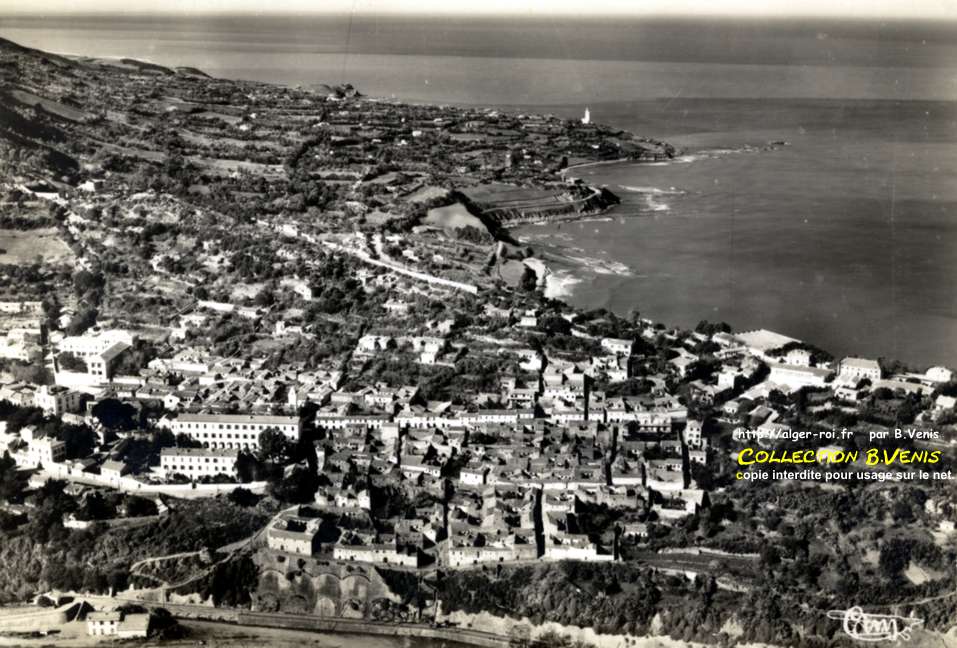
[862, 626]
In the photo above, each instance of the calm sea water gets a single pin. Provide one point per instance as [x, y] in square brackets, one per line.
[847, 237]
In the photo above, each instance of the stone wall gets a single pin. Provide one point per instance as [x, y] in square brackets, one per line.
[306, 585]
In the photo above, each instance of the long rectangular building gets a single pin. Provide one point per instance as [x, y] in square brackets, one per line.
[234, 431]
[198, 462]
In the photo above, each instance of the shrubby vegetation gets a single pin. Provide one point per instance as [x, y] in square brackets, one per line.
[42, 554]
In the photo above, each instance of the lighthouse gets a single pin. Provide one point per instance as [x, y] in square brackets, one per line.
[587, 118]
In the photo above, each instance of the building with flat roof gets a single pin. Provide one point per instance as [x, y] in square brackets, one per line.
[795, 377]
[234, 431]
[196, 463]
[859, 368]
[99, 351]
[295, 535]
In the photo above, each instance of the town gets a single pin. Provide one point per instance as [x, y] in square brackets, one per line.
[306, 306]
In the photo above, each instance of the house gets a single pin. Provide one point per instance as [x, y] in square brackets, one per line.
[100, 624]
[55, 400]
[291, 534]
[529, 319]
[692, 434]
[354, 548]
[372, 344]
[117, 624]
[736, 406]
[702, 393]
[944, 403]
[682, 363]
[939, 375]
[343, 499]
[114, 470]
[617, 346]
[40, 451]
[798, 357]
[634, 531]
[473, 475]
[849, 393]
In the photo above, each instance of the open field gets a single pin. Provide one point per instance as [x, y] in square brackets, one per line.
[453, 216]
[508, 196]
[19, 247]
[55, 107]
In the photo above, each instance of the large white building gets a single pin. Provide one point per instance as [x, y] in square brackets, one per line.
[795, 377]
[196, 463]
[99, 350]
[859, 368]
[234, 431]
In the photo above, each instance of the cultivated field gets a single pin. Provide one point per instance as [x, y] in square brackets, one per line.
[19, 247]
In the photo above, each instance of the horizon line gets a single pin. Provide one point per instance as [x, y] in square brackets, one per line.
[416, 14]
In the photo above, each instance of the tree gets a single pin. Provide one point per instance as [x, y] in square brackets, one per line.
[140, 506]
[274, 446]
[80, 440]
[115, 414]
[710, 328]
[894, 558]
[243, 497]
[35, 373]
[248, 468]
[299, 487]
[12, 481]
[529, 280]
[555, 325]
[70, 362]
[770, 556]
[85, 281]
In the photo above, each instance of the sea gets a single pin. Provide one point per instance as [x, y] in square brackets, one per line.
[815, 193]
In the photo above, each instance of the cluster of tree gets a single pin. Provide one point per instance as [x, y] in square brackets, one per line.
[88, 288]
[68, 361]
[34, 372]
[136, 357]
[229, 583]
[79, 439]
[100, 506]
[611, 598]
[12, 481]
[818, 355]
